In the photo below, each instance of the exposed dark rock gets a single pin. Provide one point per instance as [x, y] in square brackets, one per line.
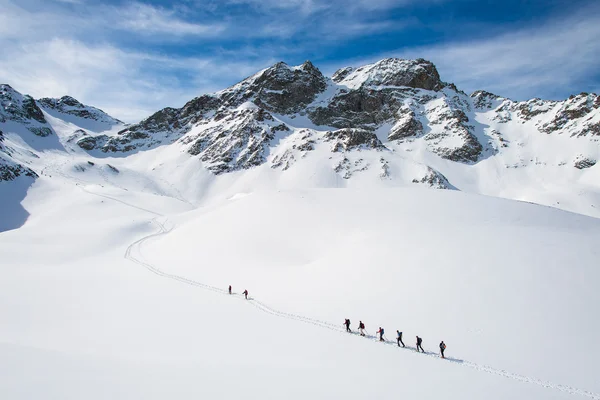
[341, 73]
[357, 108]
[42, 131]
[407, 126]
[286, 90]
[240, 142]
[353, 139]
[483, 99]
[71, 106]
[590, 129]
[419, 73]
[434, 179]
[584, 163]
[93, 142]
[10, 171]
[280, 128]
[32, 111]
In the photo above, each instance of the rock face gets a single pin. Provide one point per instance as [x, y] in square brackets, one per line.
[280, 89]
[584, 163]
[9, 169]
[283, 114]
[418, 74]
[70, 106]
[22, 109]
[240, 141]
[353, 139]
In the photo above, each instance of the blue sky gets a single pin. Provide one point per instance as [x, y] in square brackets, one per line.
[133, 58]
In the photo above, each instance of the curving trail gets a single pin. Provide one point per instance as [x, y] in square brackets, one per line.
[133, 253]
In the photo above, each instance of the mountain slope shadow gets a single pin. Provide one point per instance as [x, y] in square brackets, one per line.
[12, 213]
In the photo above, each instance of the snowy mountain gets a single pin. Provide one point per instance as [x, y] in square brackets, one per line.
[391, 123]
[118, 242]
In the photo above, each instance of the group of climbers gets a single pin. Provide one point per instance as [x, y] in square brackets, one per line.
[381, 332]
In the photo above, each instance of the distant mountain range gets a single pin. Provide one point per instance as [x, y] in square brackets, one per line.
[391, 123]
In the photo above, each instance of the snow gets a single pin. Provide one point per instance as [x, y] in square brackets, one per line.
[125, 295]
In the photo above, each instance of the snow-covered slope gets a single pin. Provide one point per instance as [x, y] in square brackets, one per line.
[34, 136]
[114, 293]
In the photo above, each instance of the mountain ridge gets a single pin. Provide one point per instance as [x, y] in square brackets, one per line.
[394, 122]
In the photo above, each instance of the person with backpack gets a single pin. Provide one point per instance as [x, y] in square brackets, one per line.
[361, 328]
[245, 293]
[380, 331]
[442, 348]
[229, 289]
[400, 339]
[347, 323]
[419, 342]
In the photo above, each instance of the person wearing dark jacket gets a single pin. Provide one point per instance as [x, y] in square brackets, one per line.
[400, 339]
[245, 293]
[442, 348]
[419, 342]
[380, 331]
[347, 323]
[229, 289]
[361, 328]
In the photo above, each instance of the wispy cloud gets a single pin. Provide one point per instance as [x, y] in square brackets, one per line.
[149, 20]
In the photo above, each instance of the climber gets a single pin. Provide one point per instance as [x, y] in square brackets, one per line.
[442, 348]
[380, 331]
[400, 339]
[419, 342]
[361, 328]
[245, 293]
[347, 323]
[229, 289]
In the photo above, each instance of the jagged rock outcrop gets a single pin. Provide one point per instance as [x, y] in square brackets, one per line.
[280, 89]
[353, 139]
[434, 179]
[407, 125]
[240, 141]
[484, 100]
[9, 169]
[23, 110]
[396, 72]
[584, 163]
[69, 105]
[361, 108]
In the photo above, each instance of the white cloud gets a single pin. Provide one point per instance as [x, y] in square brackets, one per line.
[148, 20]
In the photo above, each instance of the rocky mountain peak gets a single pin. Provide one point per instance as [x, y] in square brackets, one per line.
[15, 106]
[71, 106]
[341, 73]
[419, 74]
[484, 99]
[279, 88]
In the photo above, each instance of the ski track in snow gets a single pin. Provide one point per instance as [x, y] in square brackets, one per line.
[133, 253]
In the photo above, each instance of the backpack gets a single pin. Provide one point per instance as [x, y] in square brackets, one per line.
[443, 346]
